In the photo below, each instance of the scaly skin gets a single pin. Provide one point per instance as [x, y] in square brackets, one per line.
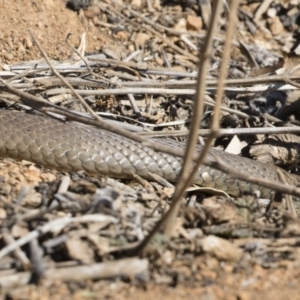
[74, 147]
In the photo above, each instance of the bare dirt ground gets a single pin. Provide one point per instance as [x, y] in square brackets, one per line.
[51, 22]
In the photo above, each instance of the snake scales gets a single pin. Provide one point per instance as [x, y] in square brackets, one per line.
[73, 147]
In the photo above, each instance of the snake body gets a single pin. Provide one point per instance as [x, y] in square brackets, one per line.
[73, 147]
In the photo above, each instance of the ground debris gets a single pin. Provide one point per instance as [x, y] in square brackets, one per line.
[72, 235]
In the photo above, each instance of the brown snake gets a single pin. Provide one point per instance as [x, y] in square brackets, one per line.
[73, 147]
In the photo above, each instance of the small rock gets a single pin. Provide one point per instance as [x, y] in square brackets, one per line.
[271, 12]
[3, 213]
[244, 295]
[275, 26]
[39, 25]
[158, 60]
[8, 56]
[168, 257]
[47, 177]
[122, 35]
[32, 174]
[96, 21]
[193, 23]
[141, 38]
[28, 42]
[181, 25]
[77, 4]
[220, 248]
[21, 48]
[79, 250]
[5, 189]
[136, 3]
[32, 198]
[112, 51]
[157, 5]
[92, 11]
[18, 231]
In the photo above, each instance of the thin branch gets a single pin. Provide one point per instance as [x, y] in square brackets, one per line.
[196, 119]
[85, 105]
[226, 131]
